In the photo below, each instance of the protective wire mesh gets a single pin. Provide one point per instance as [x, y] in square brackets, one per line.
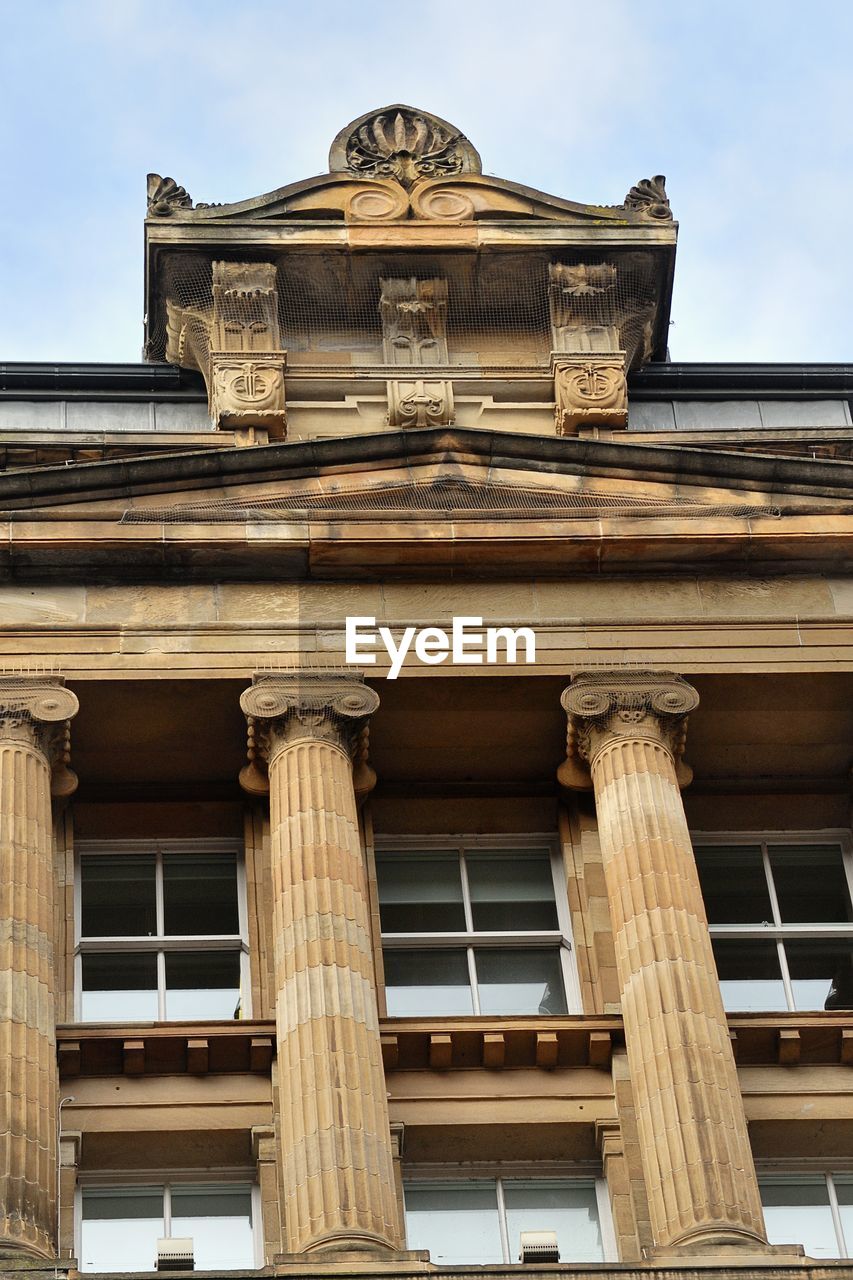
[498, 307]
[447, 496]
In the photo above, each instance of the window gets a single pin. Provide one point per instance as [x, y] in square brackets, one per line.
[119, 1226]
[781, 921]
[161, 932]
[814, 1210]
[479, 1220]
[475, 928]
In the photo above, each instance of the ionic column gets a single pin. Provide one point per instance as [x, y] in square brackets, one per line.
[629, 727]
[337, 1160]
[34, 733]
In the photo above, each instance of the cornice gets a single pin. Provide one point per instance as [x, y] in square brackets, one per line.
[29, 489]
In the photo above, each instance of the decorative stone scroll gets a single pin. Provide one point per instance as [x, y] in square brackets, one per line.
[589, 391]
[629, 729]
[420, 403]
[309, 727]
[34, 753]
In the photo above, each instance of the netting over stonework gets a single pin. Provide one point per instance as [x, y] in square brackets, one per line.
[500, 308]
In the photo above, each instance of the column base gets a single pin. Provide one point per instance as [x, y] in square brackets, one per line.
[721, 1249]
[22, 1258]
[316, 1260]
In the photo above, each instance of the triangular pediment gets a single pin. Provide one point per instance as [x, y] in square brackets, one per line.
[449, 496]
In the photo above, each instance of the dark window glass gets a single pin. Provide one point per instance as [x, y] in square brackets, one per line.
[420, 893]
[200, 893]
[426, 983]
[811, 887]
[821, 972]
[118, 896]
[202, 984]
[520, 981]
[119, 987]
[734, 885]
[511, 891]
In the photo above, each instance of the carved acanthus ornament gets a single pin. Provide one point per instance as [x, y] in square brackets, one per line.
[649, 198]
[403, 144]
[589, 391]
[283, 708]
[414, 333]
[38, 711]
[165, 196]
[609, 705]
[236, 344]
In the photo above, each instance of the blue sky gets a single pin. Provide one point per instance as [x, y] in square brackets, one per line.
[746, 107]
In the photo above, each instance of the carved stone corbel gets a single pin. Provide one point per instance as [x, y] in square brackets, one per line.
[236, 344]
[420, 403]
[589, 391]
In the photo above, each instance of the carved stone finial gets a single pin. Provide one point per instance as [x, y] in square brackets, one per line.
[283, 707]
[165, 196]
[607, 705]
[649, 198]
[404, 144]
[38, 710]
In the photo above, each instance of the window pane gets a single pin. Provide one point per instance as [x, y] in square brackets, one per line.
[119, 987]
[202, 984]
[844, 1193]
[117, 897]
[457, 1222]
[120, 1229]
[821, 973]
[519, 980]
[568, 1208]
[423, 983]
[511, 890]
[750, 977]
[796, 1211]
[200, 893]
[810, 883]
[734, 885]
[219, 1219]
[420, 894]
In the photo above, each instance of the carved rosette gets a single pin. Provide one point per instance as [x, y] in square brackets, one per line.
[38, 712]
[589, 391]
[282, 709]
[420, 403]
[602, 707]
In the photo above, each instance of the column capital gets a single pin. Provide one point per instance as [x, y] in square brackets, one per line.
[38, 710]
[603, 706]
[283, 707]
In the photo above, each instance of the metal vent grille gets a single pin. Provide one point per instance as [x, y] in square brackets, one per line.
[450, 497]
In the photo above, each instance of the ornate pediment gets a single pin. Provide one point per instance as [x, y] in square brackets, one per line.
[401, 164]
[450, 497]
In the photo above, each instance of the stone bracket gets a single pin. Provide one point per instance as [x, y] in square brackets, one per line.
[589, 391]
[420, 402]
[248, 391]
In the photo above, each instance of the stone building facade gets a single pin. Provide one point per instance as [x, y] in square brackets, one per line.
[368, 906]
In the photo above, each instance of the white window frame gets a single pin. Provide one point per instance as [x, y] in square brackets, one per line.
[561, 937]
[161, 943]
[156, 1180]
[499, 1172]
[792, 1171]
[774, 929]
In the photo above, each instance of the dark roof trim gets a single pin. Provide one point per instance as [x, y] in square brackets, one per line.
[145, 381]
[720, 381]
[50, 486]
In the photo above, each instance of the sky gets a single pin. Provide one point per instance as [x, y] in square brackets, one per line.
[746, 107]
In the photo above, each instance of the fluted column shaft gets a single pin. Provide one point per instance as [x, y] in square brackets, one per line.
[33, 736]
[334, 1127]
[700, 1177]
